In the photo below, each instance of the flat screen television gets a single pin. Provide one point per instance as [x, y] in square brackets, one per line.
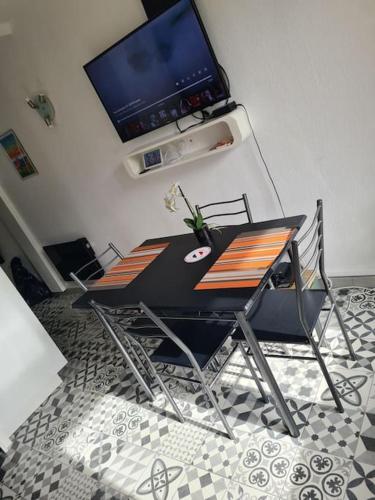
[164, 70]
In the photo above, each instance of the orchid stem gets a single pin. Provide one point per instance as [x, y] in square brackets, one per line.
[187, 203]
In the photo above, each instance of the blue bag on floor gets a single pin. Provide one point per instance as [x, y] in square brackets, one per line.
[32, 290]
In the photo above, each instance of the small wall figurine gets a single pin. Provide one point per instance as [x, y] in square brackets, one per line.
[43, 105]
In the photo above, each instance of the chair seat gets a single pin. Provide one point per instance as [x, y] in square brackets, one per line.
[145, 327]
[275, 318]
[203, 338]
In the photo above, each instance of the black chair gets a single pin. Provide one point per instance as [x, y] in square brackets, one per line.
[290, 316]
[243, 200]
[187, 342]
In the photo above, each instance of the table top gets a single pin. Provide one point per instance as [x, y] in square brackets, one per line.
[168, 282]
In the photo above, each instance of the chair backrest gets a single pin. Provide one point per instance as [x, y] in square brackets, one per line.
[242, 200]
[309, 250]
[308, 259]
[94, 268]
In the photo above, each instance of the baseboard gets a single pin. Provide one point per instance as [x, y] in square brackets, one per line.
[361, 281]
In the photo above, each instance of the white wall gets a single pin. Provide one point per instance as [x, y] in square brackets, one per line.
[30, 245]
[29, 361]
[9, 248]
[5, 29]
[305, 71]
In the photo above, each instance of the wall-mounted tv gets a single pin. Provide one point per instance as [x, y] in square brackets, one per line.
[164, 70]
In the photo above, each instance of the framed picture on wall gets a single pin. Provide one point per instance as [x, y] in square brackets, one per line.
[17, 155]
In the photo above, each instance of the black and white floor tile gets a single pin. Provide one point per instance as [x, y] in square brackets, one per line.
[238, 491]
[7, 494]
[266, 461]
[243, 411]
[108, 493]
[81, 406]
[298, 380]
[66, 441]
[39, 422]
[32, 474]
[183, 442]
[353, 386]
[99, 454]
[221, 455]
[361, 482]
[316, 476]
[365, 451]
[329, 431]
[20, 466]
[127, 468]
[362, 300]
[199, 484]
[98, 438]
[160, 480]
[74, 485]
[46, 482]
[151, 431]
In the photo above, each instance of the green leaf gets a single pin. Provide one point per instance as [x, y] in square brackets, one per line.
[199, 222]
[190, 223]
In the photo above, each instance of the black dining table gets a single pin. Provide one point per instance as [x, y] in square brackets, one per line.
[167, 284]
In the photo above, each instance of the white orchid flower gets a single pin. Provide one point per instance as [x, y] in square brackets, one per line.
[170, 200]
[174, 190]
[170, 203]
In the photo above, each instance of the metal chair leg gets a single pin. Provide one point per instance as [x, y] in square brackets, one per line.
[138, 359]
[164, 388]
[267, 374]
[271, 285]
[342, 327]
[217, 363]
[253, 374]
[319, 329]
[249, 353]
[169, 397]
[327, 376]
[212, 398]
[126, 356]
[214, 365]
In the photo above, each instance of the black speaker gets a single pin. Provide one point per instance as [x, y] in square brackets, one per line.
[155, 7]
[71, 255]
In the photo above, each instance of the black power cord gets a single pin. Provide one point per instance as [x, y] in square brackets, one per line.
[226, 77]
[227, 81]
[202, 119]
[206, 116]
[264, 161]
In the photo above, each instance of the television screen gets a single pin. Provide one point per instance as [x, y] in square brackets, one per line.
[164, 70]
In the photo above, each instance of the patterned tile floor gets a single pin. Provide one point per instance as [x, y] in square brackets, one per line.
[96, 437]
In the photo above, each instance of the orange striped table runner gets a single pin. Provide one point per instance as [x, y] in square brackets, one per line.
[127, 269]
[246, 260]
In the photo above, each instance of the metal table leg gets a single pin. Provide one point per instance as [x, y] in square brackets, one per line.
[267, 374]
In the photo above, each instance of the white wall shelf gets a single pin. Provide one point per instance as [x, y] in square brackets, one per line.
[193, 144]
